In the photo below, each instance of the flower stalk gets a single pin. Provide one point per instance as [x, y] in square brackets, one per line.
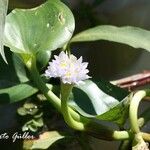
[65, 93]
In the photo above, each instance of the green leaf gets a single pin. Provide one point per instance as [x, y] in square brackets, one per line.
[132, 36]
[22, 111]
[19, 68]
[38, 122]
[3, 13]
[31, 108]
[8, 75]
[14, 72]
[45, 140]
[16, 93]
[103, 101]
[43, 58]
[117, 114]
[32, 125]
[43, 28]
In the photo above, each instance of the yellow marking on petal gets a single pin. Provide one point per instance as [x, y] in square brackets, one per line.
[71, 65]
[63, 64]
[68, 74]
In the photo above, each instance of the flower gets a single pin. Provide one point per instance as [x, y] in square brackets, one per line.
[70, 69]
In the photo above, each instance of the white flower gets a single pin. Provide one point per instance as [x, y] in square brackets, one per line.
[70, 69]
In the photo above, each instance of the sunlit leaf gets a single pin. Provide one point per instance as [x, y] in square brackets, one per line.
[132, 36]
[45, 140]
[3, 12]
[19, 68]
[103, 101]
[43, 28]
[16, 93]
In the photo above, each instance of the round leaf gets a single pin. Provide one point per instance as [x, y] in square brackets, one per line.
[46, 27]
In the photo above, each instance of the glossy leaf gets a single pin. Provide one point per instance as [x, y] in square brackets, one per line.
[16, 93]
[132, 36]
[43, 28]
[45, 140]
[103, 101]
[3, 13]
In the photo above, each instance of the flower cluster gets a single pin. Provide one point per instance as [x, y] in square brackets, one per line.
[70, 69]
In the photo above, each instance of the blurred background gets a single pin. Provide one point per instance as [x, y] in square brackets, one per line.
[107, 60]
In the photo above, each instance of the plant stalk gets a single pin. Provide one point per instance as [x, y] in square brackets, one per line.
[65, 93]
[133, 110]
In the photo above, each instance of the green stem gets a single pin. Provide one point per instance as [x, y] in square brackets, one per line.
[100, 131]
[133, 110]
[65, 92]
[122, 135]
